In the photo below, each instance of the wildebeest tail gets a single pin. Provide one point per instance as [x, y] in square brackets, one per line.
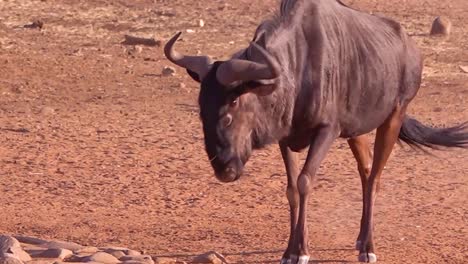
[418, 135]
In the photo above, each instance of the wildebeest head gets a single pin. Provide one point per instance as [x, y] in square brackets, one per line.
[227, 111]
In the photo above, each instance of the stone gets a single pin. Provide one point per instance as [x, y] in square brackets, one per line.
[130, 252]
[20, 254]
[44, 261]
[201, 23]
[7, 258]
[144, 259]
[441, 26]
[168, 71]
[116, 253]
[210, 257]
[101, 257]
[47, 111]
[30, 240]
[464, 68]
[161, 260]
[62, 244]
[59, 253]
[87, 250]
[9, 244]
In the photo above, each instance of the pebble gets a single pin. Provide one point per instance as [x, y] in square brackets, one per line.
[168, 71]
[210, 257]
[47, 111]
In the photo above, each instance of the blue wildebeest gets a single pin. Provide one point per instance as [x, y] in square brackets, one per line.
[316, 71]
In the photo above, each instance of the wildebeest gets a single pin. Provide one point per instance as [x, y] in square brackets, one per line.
[317, 71]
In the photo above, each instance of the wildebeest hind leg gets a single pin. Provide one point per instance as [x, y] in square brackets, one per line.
[387, 135]
[292, 171]
[362, 153]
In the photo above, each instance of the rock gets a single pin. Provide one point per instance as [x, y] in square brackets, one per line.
[47, 111]
[161, 260]
[9, 244]
[87, 250]
[44, 261]
[116, 253]
[30, 240]
[441, 26]
[7, 258]
[58, 253]
[168, 71]
[464, 68]
[210, 257]
[182, 85]
[132, 40]
[101, 257]
[62, 244]
[35, 24]
[201, 23]
[130, 252]
[143, 259]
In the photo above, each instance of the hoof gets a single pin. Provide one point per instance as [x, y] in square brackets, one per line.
[303, 260]
[358, 245]
[367, 257]
[285, 261]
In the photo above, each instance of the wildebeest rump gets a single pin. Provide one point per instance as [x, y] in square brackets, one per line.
[316, 71]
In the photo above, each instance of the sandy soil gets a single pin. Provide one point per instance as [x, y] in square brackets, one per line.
[98, 148]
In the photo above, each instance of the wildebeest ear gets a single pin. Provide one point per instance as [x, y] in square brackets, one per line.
[261, 87]
[194, 75]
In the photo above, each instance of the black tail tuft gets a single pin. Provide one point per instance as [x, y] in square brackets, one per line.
[417, 135]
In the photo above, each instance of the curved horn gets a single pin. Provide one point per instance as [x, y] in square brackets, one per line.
[244, 70]
[198, 64]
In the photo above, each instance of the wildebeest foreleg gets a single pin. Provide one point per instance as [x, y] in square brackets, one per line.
[362, 153]
[292, 171]
[387, 135]
[320, 144]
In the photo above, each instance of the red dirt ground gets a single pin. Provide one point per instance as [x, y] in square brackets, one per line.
[96, 147]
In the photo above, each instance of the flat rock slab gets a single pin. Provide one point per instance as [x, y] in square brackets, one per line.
[56, 253]
[142, 259]
[62, 244]
[44, 261]
[30, 240]
[116, 253]
[101, 257]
